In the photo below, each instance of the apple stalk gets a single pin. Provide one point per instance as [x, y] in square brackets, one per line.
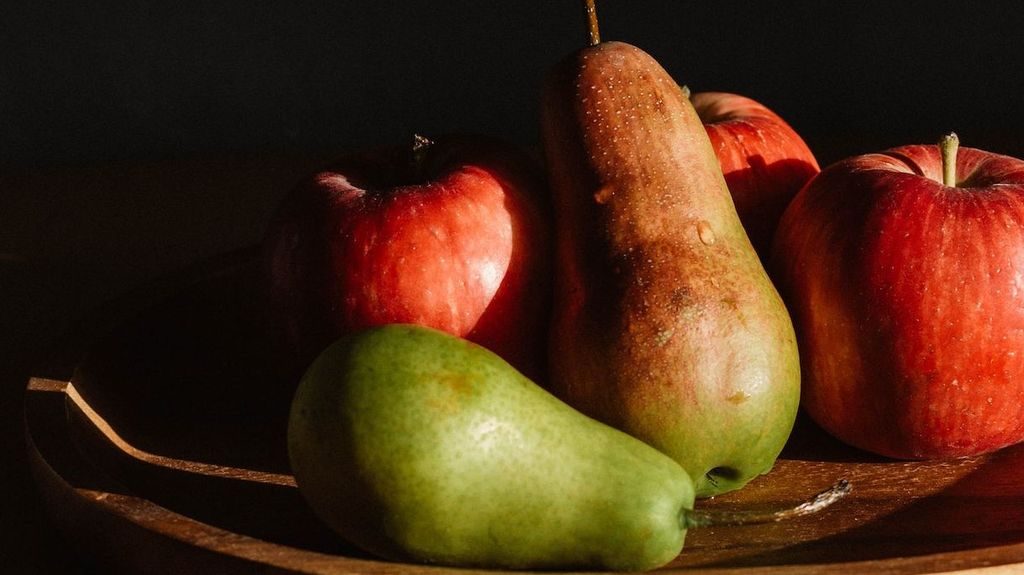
[420, 146]
[948, 146]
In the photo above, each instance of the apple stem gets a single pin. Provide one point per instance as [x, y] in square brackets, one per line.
[710, 518]
[948, 146]
[420, 146]
[593, 33]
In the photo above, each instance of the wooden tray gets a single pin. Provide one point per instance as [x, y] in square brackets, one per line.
[162, 450]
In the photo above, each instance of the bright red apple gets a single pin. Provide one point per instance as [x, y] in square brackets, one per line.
[905, 280]
[764, 160]
[452, 234]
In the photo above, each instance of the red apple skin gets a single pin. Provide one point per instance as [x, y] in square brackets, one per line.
[764, 161]
[908, 301]
[458, 241]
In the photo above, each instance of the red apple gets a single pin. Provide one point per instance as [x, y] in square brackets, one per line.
[765, 162]
[906, 286]
[451, 234]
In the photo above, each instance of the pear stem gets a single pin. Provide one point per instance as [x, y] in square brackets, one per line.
[709, 518]
[593, 33]
[948, 146]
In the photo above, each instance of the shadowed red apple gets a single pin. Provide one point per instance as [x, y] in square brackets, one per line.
[452, 234]
[764, 161]
[904, 272]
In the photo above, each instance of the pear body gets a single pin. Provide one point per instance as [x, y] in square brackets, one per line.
[419, 446]
[665, 323]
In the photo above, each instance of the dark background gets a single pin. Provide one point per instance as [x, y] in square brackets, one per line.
[89, 82]
[138, 137]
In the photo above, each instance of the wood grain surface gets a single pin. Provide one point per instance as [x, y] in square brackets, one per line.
[165, 453]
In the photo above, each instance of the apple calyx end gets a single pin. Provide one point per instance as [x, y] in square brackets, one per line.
[948, 146]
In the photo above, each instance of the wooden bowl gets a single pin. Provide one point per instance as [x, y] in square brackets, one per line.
[160, 448]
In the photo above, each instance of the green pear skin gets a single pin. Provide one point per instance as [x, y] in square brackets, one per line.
[419, 446]
[665, 323]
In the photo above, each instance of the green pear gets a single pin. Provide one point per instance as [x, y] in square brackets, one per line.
[665, 323]
[419, 446]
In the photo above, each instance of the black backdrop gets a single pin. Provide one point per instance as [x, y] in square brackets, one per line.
[87, 82]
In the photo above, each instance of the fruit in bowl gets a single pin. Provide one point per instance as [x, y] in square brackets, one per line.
[447, 455]
[451, 234]
[764, 160]
[665, 322]
[904, 272]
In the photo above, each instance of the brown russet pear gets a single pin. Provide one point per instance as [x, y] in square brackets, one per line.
[665, 323]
